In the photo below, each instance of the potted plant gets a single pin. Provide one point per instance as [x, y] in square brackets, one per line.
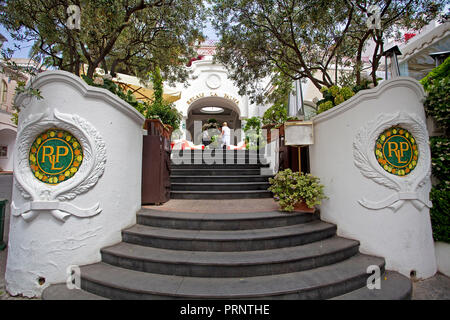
[296, 190]
[161, 115]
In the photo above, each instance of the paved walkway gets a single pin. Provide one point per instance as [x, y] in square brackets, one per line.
[218, 206]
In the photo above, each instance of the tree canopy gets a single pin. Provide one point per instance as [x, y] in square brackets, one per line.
[308, 39]
[130, 36]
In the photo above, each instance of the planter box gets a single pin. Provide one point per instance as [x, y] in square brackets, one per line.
[154, 127]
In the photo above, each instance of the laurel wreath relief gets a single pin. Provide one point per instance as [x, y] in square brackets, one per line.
[405, 187]
[47, 197]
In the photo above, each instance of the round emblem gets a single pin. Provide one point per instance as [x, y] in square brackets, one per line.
[396, 151]
[213, 81]
[55, 156]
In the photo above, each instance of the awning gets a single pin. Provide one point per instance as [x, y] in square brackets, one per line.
[142, 92]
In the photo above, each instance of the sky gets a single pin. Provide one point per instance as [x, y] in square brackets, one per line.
[25, 47]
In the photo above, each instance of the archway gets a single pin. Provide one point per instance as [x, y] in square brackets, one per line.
[217, 108]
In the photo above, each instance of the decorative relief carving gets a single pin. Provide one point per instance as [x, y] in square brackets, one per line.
[213, 81]
[406, 187]
[49, 197]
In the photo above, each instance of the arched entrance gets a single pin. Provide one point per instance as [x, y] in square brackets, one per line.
[208, 108]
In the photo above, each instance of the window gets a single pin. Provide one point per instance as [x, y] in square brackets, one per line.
[4, 92]
[3, 151]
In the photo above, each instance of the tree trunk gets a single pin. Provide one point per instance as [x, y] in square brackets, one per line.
[91, 70]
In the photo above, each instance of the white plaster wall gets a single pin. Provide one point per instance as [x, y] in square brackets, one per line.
[443, 257]
[45, 247]
[403, 238]
[8, 138]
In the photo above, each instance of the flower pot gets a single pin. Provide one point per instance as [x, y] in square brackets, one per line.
[154, 127]
[302, 207]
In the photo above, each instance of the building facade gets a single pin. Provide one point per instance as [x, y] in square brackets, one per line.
[212, 95]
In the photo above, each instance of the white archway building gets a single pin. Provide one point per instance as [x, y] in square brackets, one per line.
[209, 86]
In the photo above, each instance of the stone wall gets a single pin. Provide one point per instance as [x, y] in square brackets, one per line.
[56, 225]
[387, 213]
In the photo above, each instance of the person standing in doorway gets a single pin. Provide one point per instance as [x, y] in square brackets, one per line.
[225, 135]
[206, 138]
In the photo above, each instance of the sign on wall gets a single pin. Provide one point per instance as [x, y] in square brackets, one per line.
[58, 156]
[55, 156]
[396, 151]
[393, 151]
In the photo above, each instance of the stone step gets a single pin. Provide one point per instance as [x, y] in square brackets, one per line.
[239, 240]
[218, 186]
[243, 194]
[320, 283]
[199, 179]
[229, 264]
[215, 172]
[218, 166]
[393, 286]
[222, 221]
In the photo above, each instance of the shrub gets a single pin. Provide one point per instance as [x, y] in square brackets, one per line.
[160, 109]
[437, 103]
[333, 96]
[437, 85]
[253, 123]
[291, 187]
[440, 214]
[276, 114]
[441, 71]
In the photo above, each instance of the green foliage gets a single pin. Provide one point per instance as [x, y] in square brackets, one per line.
[253, 123]
[276, 114]
[291, 187]
[440, 214]
[119, 36]
[160, 109]
[308, 39]
[440, 192]
[440, 160]
[441, 71]
[437, 105]
[114, 89]
[332, 97]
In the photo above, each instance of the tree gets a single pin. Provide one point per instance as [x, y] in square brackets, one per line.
[126, 35]
[305, 39]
